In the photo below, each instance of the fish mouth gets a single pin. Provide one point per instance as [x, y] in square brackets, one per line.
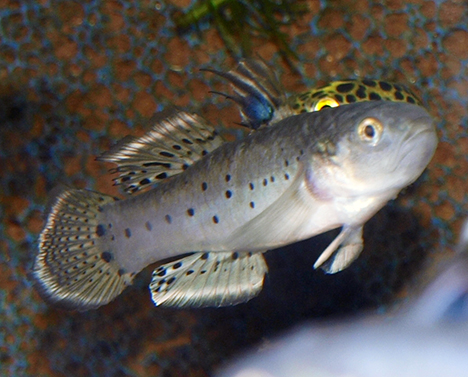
[418, 146]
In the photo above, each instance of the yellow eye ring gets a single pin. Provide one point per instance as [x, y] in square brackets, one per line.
[370, 130]
[325, 102]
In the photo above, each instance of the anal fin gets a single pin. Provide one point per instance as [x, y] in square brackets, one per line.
[209, 279]
[176, 141]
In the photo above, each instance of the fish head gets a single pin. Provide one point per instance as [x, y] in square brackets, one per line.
[380, 147]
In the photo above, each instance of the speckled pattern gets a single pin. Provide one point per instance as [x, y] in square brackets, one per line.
[77, 76]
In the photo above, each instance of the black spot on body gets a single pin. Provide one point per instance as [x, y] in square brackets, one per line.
[398, 87]
[171, 280]
[185, 166]
[145, 181]
[148, 225]
[251, 185]
[189, 272]
[228, 194]
[385, 86]
[286, 176]
[100, 230]
[176, 147]
[350, 98]
[339, 98]
[235, 255]
[204, 153]
[374, 97]
[161, 176]
[128, 233]
[316, 94]
[345, 88]
[228, 177]
[410, 99]
[177, 265]
[204, 186]
[106, 256]
[272, 179]
[205, 256]
[215, 219]
[166, 154]
[361, 92]
[370, 83]
[121, 271]
[191, 212]
[187, 141]
[162, 273]
[163, 164]
[252, 205]
[399, 96]
[265, 182]
[168, 219]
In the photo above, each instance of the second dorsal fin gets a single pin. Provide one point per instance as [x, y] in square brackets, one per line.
[176, 141]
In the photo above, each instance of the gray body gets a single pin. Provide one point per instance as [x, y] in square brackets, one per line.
[295, 195]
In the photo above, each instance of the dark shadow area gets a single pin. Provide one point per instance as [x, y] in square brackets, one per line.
[187, 341]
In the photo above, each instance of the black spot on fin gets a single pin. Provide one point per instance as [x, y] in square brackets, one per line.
[258, 93]
[176, 141]
[209, 279]
[73, 269]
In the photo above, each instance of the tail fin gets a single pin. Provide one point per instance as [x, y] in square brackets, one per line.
[71, 269]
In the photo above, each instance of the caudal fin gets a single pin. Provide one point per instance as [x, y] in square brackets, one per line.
[73, 270]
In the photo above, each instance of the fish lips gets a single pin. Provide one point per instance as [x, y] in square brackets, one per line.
[418, 147]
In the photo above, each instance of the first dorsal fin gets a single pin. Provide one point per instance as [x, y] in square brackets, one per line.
[176, 141]
[258, 93]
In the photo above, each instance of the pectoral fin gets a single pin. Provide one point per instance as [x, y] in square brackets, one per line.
[344, 249]
[209, 279]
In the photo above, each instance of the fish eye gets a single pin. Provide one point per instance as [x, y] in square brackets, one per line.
[370, 130]
[325, 102]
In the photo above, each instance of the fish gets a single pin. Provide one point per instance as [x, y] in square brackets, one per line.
[425, 337]
[263, 101]
[208, 210]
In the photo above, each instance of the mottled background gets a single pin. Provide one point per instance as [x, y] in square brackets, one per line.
[77, 76]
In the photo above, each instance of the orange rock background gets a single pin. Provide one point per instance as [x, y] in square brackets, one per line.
[75, 77]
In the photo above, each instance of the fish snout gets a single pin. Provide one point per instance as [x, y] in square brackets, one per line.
[419, 144]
